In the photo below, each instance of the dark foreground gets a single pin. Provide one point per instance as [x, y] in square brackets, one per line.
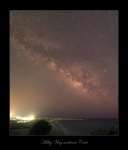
[71, 127]
[88, 127]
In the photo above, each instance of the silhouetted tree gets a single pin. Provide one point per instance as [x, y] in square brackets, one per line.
[40, 127]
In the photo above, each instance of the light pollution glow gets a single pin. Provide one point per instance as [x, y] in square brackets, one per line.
[64, 63]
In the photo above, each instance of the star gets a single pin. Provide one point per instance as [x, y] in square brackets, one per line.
[64, 62]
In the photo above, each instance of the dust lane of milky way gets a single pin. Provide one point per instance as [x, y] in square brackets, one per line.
[64, 63]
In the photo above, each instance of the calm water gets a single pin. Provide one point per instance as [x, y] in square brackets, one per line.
[83, 127]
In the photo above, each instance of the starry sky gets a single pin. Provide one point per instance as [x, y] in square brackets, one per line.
[64, 63]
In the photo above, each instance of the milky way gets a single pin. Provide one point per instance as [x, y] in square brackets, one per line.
[64, 63]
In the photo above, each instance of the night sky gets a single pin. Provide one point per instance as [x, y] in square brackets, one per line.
[64, 63]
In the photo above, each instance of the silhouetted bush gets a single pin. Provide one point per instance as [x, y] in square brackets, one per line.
[105, 131]
[40, 127]
[113, 131]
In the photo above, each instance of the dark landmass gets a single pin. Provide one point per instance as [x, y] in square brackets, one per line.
[106, 131]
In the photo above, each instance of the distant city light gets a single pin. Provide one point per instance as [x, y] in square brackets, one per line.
[22, 118]
[11, 115]
[18, 117]
[31, 118]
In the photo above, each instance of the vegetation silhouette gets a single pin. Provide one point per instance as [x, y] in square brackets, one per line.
[40, 127]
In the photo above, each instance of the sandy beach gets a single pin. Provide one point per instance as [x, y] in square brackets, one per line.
[57, 130]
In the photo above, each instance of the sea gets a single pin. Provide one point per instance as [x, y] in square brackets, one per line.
[84, 127]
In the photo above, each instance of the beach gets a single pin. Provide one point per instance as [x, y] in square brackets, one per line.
[57, 130]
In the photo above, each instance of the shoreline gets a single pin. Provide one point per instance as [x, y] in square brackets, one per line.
[62, 130]
[57, 130]
[72, 127]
